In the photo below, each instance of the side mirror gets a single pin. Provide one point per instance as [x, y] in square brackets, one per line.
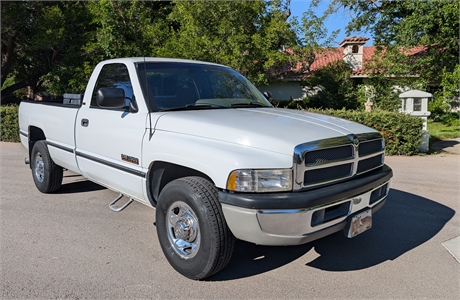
[268, 96]
[111, 97]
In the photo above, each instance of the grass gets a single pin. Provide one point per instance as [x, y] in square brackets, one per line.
[439, 131]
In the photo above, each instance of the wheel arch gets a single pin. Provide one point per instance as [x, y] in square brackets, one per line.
[161, 173]
[35, 134]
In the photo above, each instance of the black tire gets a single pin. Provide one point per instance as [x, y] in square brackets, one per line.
[191, 228]
[46, 174]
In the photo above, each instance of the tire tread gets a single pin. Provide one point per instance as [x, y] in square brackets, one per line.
[209, 194]
[207, 201]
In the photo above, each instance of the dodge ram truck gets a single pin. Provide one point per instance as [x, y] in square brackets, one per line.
[205, 148]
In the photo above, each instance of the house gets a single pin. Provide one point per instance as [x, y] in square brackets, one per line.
[352, 50]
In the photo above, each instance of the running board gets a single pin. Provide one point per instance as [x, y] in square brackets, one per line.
[118, 209]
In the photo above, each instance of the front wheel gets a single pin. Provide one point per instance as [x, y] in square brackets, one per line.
[191, 228]
[46, 174]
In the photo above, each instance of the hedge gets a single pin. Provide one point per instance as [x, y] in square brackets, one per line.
[9, 131]
[402, 133]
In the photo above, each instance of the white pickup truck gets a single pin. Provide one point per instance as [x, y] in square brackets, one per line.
[202, 145]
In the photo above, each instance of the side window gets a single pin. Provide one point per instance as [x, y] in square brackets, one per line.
[114, 76]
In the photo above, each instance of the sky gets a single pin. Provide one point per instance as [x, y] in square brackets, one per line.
[338, 20]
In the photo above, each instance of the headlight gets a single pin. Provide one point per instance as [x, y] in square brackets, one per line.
[260, 181]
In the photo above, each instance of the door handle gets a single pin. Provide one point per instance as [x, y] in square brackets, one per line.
[84, 122]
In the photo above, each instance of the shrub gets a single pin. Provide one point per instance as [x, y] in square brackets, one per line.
[451, 119]
[402, 133]
[437, 107]
[9, 123]
[295, 104]
[449, 91]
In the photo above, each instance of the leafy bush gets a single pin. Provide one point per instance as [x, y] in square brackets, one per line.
[402, 133]
[9, 123]
[437, 106]
[335, 89]
[294, 104]
[449, 91]
[451, 119]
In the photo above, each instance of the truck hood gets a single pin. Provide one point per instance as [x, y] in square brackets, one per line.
[272, 129]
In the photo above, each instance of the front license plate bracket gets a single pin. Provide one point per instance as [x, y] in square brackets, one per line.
[359, 223]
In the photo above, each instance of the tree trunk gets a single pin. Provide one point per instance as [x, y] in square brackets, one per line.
[7, 57]
[20, 85]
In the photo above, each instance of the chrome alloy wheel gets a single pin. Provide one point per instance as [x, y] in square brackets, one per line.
[183, 229]
[39, 167]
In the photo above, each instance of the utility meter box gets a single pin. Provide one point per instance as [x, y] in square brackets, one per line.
[415, 103]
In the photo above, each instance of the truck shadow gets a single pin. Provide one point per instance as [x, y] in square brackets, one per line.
[405, 222]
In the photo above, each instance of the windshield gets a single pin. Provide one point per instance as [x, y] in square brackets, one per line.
[172, 86]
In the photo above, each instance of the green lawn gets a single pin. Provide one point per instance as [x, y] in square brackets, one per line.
[439, 131]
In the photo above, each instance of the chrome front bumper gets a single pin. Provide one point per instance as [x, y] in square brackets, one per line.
[298, 225]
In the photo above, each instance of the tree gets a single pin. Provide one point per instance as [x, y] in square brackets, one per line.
[55, 45]
[312, 39]
[245, 35]
[41, 39]
[448, 96]
[399, 26]
[335, 88]
[128, 28]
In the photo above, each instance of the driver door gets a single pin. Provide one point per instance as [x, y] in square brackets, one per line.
[109, 140]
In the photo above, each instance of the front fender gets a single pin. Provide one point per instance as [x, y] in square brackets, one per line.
[214, 158]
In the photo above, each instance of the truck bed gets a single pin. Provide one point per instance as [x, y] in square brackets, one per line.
[58, 130]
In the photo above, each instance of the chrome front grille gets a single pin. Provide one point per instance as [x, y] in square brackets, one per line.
[331, 160]
[370, 147]
[367, 164]
[327, 174]
[328, 155]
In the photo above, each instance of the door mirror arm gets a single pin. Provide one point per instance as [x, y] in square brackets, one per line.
[268, 96]
[133, 108]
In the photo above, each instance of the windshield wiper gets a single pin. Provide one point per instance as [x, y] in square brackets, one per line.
[248, 104]
[194, 107]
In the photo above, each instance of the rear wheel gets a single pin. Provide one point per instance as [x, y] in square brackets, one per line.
[46, 174]
[191, 228]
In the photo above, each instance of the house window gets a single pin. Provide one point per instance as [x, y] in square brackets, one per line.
[354, 49]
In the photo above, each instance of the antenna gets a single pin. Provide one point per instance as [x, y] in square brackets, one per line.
[148, 99]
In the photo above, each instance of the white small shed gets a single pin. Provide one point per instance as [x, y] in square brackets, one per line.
[415, 103]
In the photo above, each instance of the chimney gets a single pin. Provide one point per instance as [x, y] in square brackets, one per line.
[353, 51]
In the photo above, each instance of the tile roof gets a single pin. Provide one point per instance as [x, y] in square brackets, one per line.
[326, 57]
[330, 55]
